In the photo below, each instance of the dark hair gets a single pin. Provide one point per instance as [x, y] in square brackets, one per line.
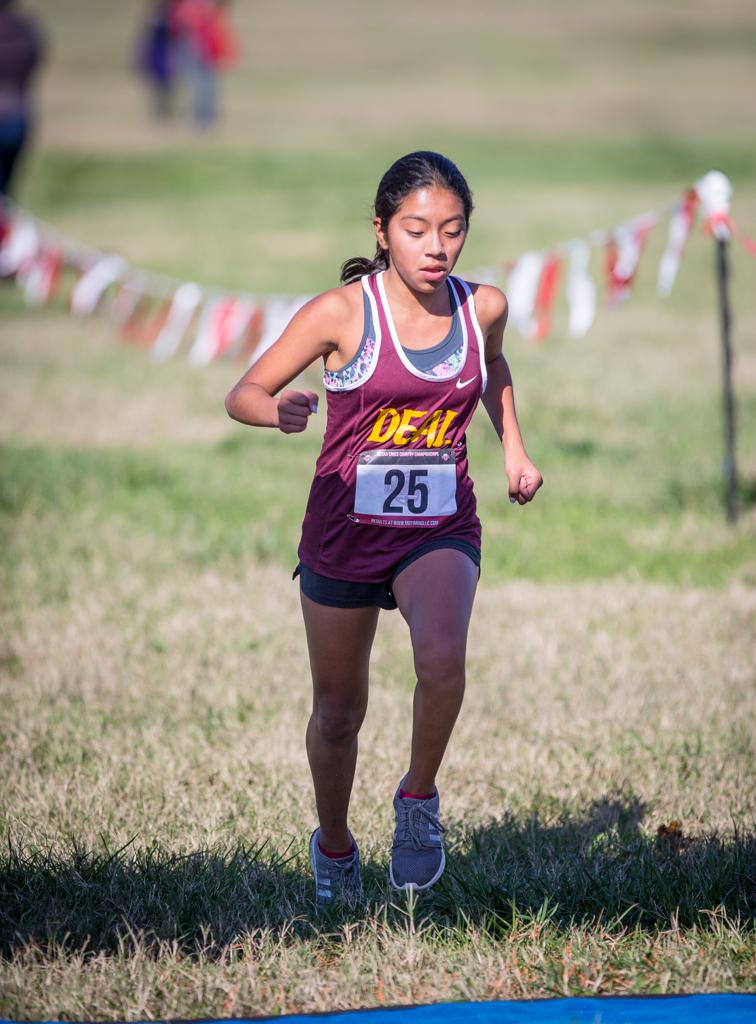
[423, 169]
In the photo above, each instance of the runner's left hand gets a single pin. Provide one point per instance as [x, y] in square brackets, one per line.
[524, 480]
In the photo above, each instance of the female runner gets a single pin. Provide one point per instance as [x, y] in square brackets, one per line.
[408, 350]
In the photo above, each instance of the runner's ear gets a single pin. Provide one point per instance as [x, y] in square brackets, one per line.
[380, 233]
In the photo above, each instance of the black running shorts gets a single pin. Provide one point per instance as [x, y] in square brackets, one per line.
[348, 594]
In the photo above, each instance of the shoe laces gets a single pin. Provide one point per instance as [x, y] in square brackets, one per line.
[414, 824]
[343, 870]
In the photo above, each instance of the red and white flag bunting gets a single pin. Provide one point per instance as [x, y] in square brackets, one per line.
[522, 289]
[581, 290]
[623, 253]
[545, 295]
[42, 279]
[94, 282]
[184, 304]
[229, 325]
[715, 192]
[21, 240]
[127, 298]
[680, 224]
[221, 327]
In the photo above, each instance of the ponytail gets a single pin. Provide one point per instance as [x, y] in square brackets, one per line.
[358, 266]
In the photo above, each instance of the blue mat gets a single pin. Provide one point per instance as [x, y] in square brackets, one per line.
[697, 1009]
[713, 1009]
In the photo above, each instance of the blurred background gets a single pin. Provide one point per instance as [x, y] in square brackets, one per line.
[564, 118]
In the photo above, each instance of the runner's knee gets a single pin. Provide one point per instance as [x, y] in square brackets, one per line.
[441, 666]
[338, 723]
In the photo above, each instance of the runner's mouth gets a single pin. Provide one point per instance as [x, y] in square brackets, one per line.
[433, 273]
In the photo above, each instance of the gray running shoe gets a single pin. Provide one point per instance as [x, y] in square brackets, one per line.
[417, 854]
[336, 878]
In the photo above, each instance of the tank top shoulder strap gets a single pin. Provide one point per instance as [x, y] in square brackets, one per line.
[362, 364]
[466, 302]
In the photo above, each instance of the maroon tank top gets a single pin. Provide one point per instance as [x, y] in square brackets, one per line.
[392, 472]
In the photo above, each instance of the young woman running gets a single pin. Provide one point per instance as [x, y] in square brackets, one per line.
[408, 350]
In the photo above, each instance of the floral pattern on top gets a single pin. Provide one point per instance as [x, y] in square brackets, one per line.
[353, 374]
[448, 367]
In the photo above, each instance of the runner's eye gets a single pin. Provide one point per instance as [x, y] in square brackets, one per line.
[454, 234]
[415, 234]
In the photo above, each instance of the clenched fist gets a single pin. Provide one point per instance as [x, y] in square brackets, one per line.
[294, 408]
[524, 479]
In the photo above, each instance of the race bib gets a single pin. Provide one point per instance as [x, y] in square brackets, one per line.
[405, 488]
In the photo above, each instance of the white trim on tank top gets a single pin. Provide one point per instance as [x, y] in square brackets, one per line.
[478, 333]
[374, 360]
[397, 345]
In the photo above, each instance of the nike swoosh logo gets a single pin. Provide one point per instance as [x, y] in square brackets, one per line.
[464, 383]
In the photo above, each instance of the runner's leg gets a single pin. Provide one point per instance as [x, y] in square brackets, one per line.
[339, 642]
[435, 595]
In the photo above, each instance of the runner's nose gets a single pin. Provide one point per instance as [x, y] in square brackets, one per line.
[436, 248]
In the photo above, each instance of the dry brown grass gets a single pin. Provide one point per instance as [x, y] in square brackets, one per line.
[573, 691]
[176, 715]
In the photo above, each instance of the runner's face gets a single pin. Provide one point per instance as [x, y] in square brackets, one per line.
[425, 237]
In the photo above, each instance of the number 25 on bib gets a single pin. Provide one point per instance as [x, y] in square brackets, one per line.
[405, 488]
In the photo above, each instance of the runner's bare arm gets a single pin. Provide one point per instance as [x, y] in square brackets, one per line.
[313, 332]
[524, 479]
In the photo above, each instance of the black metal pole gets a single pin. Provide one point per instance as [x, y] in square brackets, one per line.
[730, 469]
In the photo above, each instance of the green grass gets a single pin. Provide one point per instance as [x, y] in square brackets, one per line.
[565, 873]
[218, 504]
[277, 222]
[69, 181]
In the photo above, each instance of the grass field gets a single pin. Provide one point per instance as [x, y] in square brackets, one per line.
[155, 801]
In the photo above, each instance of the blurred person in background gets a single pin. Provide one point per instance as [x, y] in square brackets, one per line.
[21, 49]
[156, 57]
[206, 45]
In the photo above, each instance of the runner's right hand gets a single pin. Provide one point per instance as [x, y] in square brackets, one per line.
[294, 408]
